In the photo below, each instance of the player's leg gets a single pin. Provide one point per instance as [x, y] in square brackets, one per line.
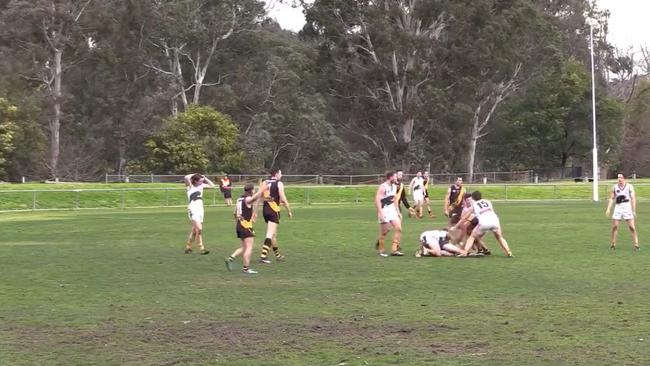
[434, 250]
[198, 230]
[384, 228]
[276, 249]
[498, 235]
[451, 249]
[236, 253]
[615, 224]
[190, 239]
[247, 246]
[271, 230]
[397, 237]
[635, 235]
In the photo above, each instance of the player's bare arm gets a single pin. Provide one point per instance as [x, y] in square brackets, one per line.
[283, 199]
[633, 202]
[609, 203]
[378, 202]
[208, 183]
[188, 180]
[447, 201]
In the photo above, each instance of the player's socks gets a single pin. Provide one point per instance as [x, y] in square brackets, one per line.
[278, 256]
[188, 250]
[612, 246]
[380, 245]
[265, 251]
[636, 247]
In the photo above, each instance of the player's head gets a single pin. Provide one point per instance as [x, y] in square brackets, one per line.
[276, 174]
[419, 174]
[399, 175]
[248, 189]
[196, 179]
[390, 176]
[459, 181]
[621, 178]
[467, 199]
[426, 174]
[476, 195]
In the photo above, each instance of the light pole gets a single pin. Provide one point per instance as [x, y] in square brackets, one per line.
[593, 108]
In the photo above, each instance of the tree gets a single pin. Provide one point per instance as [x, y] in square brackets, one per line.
[197, 140]
[635, 152]
[47, 30]
[188, 34]
[7, 132]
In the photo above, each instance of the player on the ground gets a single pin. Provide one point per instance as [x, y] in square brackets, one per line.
[487, 221]
[453, 201]
[436, 243]
[400, 196]
[417, 189]
[226, 189]
[274, 197]
[195, 184]
[625, 209]
[388, 216]
[244, 214]
[427, 201]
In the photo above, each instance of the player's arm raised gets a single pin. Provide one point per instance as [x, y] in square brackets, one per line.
[609, 203]
[283, 199]
[256, 197]
[188, 180]
[207, 182]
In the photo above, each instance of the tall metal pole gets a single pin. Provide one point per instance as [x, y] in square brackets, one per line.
[593, 107]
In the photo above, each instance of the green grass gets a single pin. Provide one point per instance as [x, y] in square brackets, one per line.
[113, 288]
[79, 196]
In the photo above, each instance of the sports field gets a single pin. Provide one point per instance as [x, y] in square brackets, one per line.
[112, 287]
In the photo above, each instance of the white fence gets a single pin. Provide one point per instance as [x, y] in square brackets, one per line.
[526, 176]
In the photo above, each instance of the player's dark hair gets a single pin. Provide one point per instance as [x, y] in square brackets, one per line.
[476, 195]
[467, 195]
[274, 172]
[390, 174]
[248, 189]
[196, 178]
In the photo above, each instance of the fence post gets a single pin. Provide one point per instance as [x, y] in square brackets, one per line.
[350, 179]
[151, 177]
[505, 186]
[555, 191]
[34, 201]
[106, 178]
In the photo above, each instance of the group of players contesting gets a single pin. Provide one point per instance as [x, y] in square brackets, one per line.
[470, 217]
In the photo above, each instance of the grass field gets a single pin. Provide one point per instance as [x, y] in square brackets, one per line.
[112, 287]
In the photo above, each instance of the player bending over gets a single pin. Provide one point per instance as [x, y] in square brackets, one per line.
[625, 209]
[436, 243]
[195, 184]
[487, 221]
[244, 214]
[388, 216]
[467, 224]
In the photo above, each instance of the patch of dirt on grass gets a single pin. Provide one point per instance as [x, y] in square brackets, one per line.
[168, 342]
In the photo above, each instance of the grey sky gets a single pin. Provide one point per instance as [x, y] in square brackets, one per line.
[628, 23]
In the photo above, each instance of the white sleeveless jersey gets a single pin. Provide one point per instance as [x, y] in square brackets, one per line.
[625, 191]
[195, 196]
[483, 209]
[388, 192]
[433, 237]
[418, 183]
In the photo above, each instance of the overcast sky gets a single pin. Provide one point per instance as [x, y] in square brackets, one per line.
[628, 23]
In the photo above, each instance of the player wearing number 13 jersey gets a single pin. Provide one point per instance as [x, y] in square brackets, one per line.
[624, 197]
[388, 215]
[487, 221]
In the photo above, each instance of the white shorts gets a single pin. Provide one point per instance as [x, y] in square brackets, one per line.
[196, 214]
[488, 223]
[388, 214]
[418, 195]
[623, 213]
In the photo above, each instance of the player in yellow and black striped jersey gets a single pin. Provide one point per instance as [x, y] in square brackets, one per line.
[454, 201]
[245, 216]
[274, 197]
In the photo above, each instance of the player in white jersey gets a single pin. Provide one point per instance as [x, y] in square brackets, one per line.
[625, 209]
[388, 216]
[487, 221]
[417, 188]
[195, 184]
[436, 243]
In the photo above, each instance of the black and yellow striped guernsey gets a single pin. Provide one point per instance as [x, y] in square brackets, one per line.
[272, 195]
[244, 213]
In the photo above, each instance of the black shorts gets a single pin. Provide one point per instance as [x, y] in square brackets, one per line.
[227, 193]
[243, 233]
[454, 215]
[270, 215]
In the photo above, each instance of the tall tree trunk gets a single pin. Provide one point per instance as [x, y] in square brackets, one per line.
[55, 122]
[473, 142]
